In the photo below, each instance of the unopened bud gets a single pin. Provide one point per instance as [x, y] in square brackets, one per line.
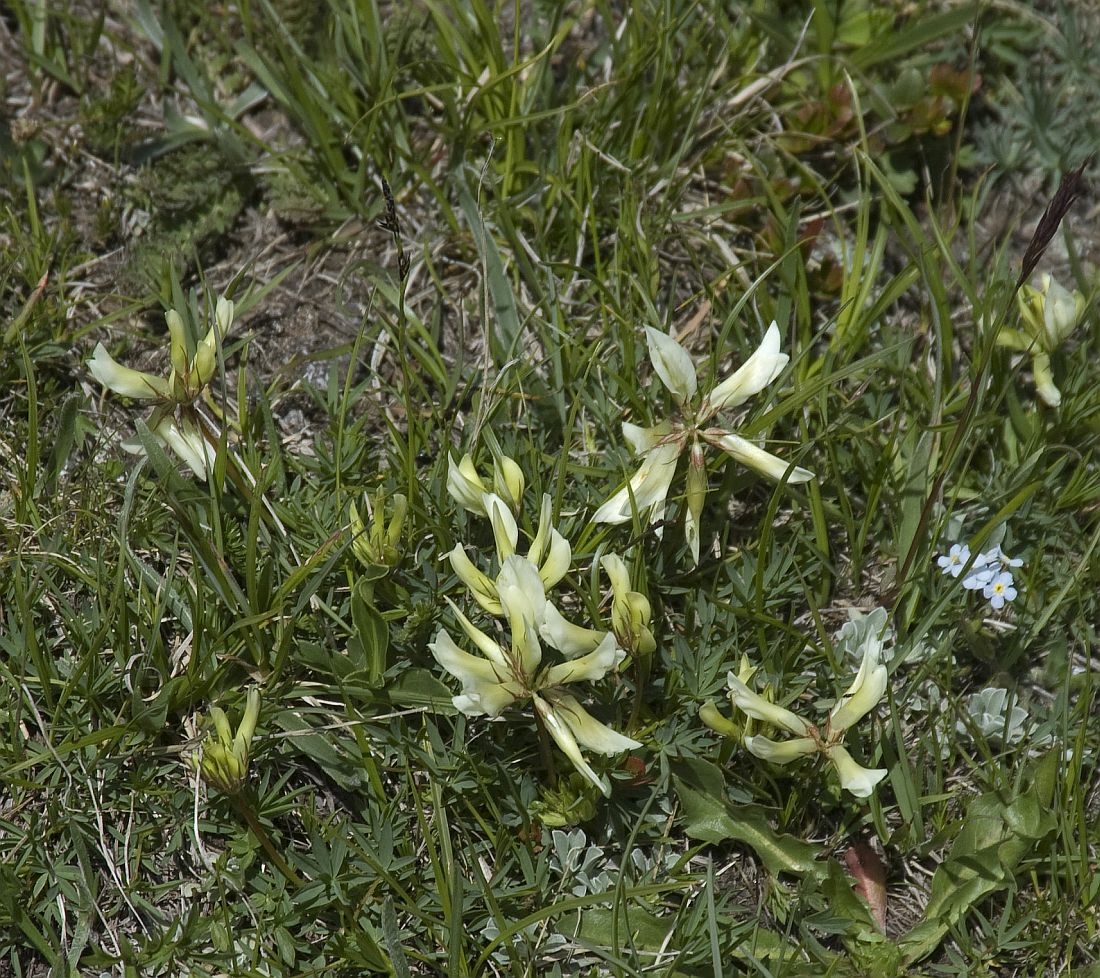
[180, 361]
[508, 482]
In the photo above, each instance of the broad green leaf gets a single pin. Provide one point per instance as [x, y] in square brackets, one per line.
[995, 836]
[710, 817]
[419, 687]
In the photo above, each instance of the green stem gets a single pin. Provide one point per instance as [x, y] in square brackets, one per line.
[245, 808]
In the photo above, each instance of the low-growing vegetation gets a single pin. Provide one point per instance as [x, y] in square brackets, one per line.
[548, 488]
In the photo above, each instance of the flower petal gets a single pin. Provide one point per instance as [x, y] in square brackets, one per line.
[569, 639]
[588, 668]
[524, 600]
[488, 699]
[122, 380]
[588, 730]
[465, 485]
[765, 364]
[757, 459]
[486, 645]
[554, 564]
[1044, 379]
[673, 365]
[480, 585]
[505, 531]
[859, 780]
[565, 739]
[649, 486]
[864, 693]
[619, 577]
[642, 439]
[780, 752]
[759, 708]
[468, 669]
[187, 441]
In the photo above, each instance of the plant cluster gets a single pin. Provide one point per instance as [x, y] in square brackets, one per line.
[380, 649]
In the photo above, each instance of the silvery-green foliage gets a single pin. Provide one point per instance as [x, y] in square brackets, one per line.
[991, 715]
[854, 634]
[581, 866]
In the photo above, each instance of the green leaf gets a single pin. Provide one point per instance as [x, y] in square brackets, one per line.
[922, 31]
[321, 749]
[644, 929]
[710, 817]
[504, 324]
[995, 836]
[372, 631]
[419, 687]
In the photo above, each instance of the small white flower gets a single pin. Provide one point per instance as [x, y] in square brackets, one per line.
[980, 574]
[995, 555]
[999, 590]
[954, 560]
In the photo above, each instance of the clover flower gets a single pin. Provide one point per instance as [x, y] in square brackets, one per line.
[223, 758]
[862, 696]
[1048, 316]
[174, 421]
[377, 547]
[661, 445]
[549, 552]
[500, 675]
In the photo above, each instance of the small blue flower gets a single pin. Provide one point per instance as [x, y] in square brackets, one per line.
[953, 561]
[996, 555]
[981, 573]
[999, 590]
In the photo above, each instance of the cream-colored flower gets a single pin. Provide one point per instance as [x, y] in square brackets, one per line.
[502, 675]
[1048, 315]
[175, 420]
[862, 696]
[549, 551]
[662, 445]
[468, 489]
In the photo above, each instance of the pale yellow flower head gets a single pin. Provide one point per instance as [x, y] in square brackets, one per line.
[175, 421]
[661, 445]
[806, 738]
[499, 676]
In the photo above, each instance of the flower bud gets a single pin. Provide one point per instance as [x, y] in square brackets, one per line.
[181, 364]
[223, 761]
[223, 315]
[508, 482]
[206, 361]
[696, 496]
[713, 718]
[377, 548]
[465, 485]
